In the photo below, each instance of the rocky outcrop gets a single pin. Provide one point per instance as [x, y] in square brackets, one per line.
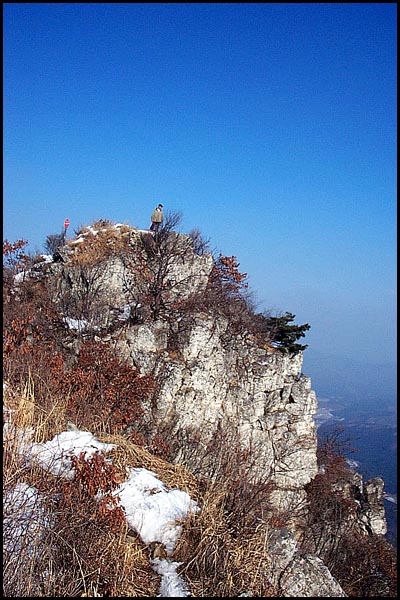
[372, 510]
[297, 575]
[212, 378]
[370, 513]
[209, 376]
[218, 379]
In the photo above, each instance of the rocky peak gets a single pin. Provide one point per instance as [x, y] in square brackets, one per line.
[145, 295]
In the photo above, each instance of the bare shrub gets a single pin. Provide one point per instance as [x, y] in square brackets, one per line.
[170, 248]
[159, 287]
[54, 242]
[224, 546]
[104, 393]
[80, 229]
[364, 565]
[88, 533]
[82, 294]
[201, 245]
[102, 224]
[33, 356]
[14, 258]
[228, 294]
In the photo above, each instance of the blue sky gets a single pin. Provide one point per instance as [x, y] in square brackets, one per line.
[269, 127]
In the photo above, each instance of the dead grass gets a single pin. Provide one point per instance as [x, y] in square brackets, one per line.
[93, 561]
[129, 455]
[27, 412]
[108, 241]
[218, 563]
[218, 559]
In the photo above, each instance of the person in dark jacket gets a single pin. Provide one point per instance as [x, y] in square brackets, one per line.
[157, 218]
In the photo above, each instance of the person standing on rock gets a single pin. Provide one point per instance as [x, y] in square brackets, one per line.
[157, 218]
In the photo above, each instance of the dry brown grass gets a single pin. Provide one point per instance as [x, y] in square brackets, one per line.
[80, 556]
[94, 561]
[129, 455]
[218, 563]
[27, 422]
[108, 241]
[27, 412]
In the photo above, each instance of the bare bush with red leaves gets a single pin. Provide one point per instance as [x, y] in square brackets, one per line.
[104, 393]
[14, 258]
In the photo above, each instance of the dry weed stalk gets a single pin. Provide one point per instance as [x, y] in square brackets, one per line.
[216, 561]
[223, 547]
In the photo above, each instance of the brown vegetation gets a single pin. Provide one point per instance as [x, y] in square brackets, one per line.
[82, 548]
[97, 247]
[364, 565]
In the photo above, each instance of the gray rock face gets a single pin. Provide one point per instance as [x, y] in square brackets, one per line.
[372, 515]
[297, 575]
[308, 577]
[222, 380]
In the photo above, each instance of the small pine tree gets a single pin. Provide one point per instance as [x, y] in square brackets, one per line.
[286, 335]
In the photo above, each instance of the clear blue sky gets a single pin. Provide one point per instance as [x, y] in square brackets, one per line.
[270, 127]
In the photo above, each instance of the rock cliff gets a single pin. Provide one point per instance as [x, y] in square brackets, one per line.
[211, 376]
[219, 380]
